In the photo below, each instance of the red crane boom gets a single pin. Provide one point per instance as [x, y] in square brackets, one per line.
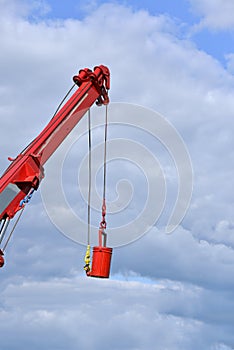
[26, 170]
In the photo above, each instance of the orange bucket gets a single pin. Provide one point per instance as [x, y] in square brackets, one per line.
[101, 261]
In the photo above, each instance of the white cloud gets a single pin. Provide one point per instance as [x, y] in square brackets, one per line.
[215, 14]
[230, 62]
[182, 257]
[23, 8]
[96, 314]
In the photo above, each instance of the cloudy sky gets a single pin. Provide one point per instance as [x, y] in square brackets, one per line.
[166, 291]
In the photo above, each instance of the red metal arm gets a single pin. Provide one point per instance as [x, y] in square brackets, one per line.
[26, 170]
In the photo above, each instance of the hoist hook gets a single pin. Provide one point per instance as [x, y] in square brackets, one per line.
[103, 222]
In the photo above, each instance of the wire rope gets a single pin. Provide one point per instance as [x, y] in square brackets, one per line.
[105, 153]
[13, 229]
[89, 177]
[56, 111]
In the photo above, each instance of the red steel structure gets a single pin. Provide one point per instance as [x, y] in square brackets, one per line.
[26, 171]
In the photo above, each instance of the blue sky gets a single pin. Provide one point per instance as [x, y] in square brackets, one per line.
[166, 291]
[214, 42]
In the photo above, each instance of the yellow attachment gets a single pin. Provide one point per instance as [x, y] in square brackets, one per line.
[87, 259]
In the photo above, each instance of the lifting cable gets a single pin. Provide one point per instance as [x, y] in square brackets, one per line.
[102, 226]
[90, 178]
[87, 255]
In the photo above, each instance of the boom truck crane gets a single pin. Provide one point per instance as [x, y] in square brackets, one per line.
[26, 171]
